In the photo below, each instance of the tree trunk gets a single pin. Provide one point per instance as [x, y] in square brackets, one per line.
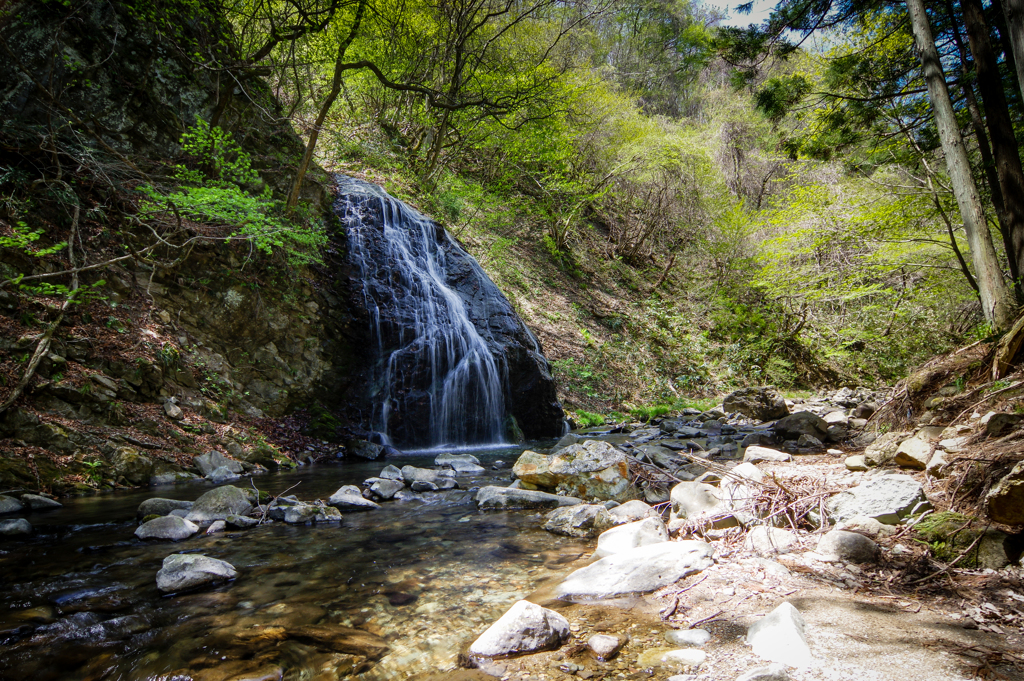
[1014, 12]
[1000, 128]
[325, 108]
[995, 296]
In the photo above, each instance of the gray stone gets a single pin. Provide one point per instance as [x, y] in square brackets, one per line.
[631, 511]
[580, 520]
[836, 417]
[756, 454]
[134, 467]
[1006, 500]
[168, 527]
[241, 522]
[914, 453]
[631, 535]
[362, 449]
[810, 441]
[466, 468]
[640, 570]
[937, 464]
[525, 628]
[15, 527]
[887, 498]
[688, 637]
[591, 470]
[423, 486]
[218, 504]
[851, 547]
[763, 539]
[999, 424]
[387, 489]
[773, 672]
[219, 476]
[992, 551]
[779, 637]
[10, 505]
[216, 526]
[762, 404]
[801, 423]
[295, 512]
[187, 571]
[391, 472]
[837, 432]
[883, 449]
[40, 503]
[857, 462]
[173, 411]
[698, 501]
[158, 506]
[211, 461]
[448, 459]
[604, 646]
[181, 512]
[869, 527]
[864, 410]
[349, 498]
[412, 474]
[504, 498]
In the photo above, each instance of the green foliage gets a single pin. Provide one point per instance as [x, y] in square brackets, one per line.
[650, 412]
[586, 419]
[219, 186]
[948, 534]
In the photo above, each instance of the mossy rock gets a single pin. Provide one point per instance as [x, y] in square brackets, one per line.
[151, 516]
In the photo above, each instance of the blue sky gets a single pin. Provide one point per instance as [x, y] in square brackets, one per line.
[760, 13]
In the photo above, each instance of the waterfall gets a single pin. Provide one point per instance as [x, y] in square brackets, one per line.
[438, 374]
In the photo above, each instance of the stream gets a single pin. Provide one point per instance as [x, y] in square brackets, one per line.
[427, 575]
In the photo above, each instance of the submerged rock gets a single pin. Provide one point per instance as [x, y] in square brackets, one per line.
[187, 571]
[640, 570]
[525, 628]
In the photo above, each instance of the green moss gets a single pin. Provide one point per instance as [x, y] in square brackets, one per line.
[948, 534]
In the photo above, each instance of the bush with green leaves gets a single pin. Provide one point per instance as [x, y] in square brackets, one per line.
[218, 185]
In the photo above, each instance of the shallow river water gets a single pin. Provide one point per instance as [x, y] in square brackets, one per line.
[79, 599]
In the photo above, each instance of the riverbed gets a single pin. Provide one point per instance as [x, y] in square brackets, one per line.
[427, 575]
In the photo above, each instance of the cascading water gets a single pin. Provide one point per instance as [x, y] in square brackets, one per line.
[439, 375]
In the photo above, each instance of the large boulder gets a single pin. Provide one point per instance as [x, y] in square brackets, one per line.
[40, 503]
[887, 498]
[169, 527]
[763, 404]
[218, 504]
[802, 423]
[1006, 500]
[525, 628]
[134, 467]
[579, 520]
[362, 449]
[914, 452]
[590, 470]
[630, 536]
[883, 449]
[188, 571]
[506, 498]
[723, 506]
[10, 505]
[641, 570]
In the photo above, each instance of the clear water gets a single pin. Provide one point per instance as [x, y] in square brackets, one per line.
[428, 348]
[428, 576]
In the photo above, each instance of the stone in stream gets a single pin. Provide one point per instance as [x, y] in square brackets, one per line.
[756, 454]
[688, 637]
[295, 512]
[762, 404]
[218, 504]
[641, 570]
[580, 520]
[159, 506]
[221, 475]
[801, 423]
[10, 505]
[850, 547]
[1006, 500]
[466, 468]
[40, 503]
[631, 511]
[631, 535]
[604, 646]
[362, 449]
[423, 486]
[390, 472]
[505, 498]
[168, 527]
[591, 470]
[412, 474]
[349, 498]
[447, 459]
[385, 489]
[186, 571]
[779, 637]
[241, 522]
[525, 628]
[211, 461]
[887, 498]
[216, 526]
[15, 527]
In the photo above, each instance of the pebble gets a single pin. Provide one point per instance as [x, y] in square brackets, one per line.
[688, 637]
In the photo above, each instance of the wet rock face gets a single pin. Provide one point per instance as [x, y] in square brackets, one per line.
[454, 358]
